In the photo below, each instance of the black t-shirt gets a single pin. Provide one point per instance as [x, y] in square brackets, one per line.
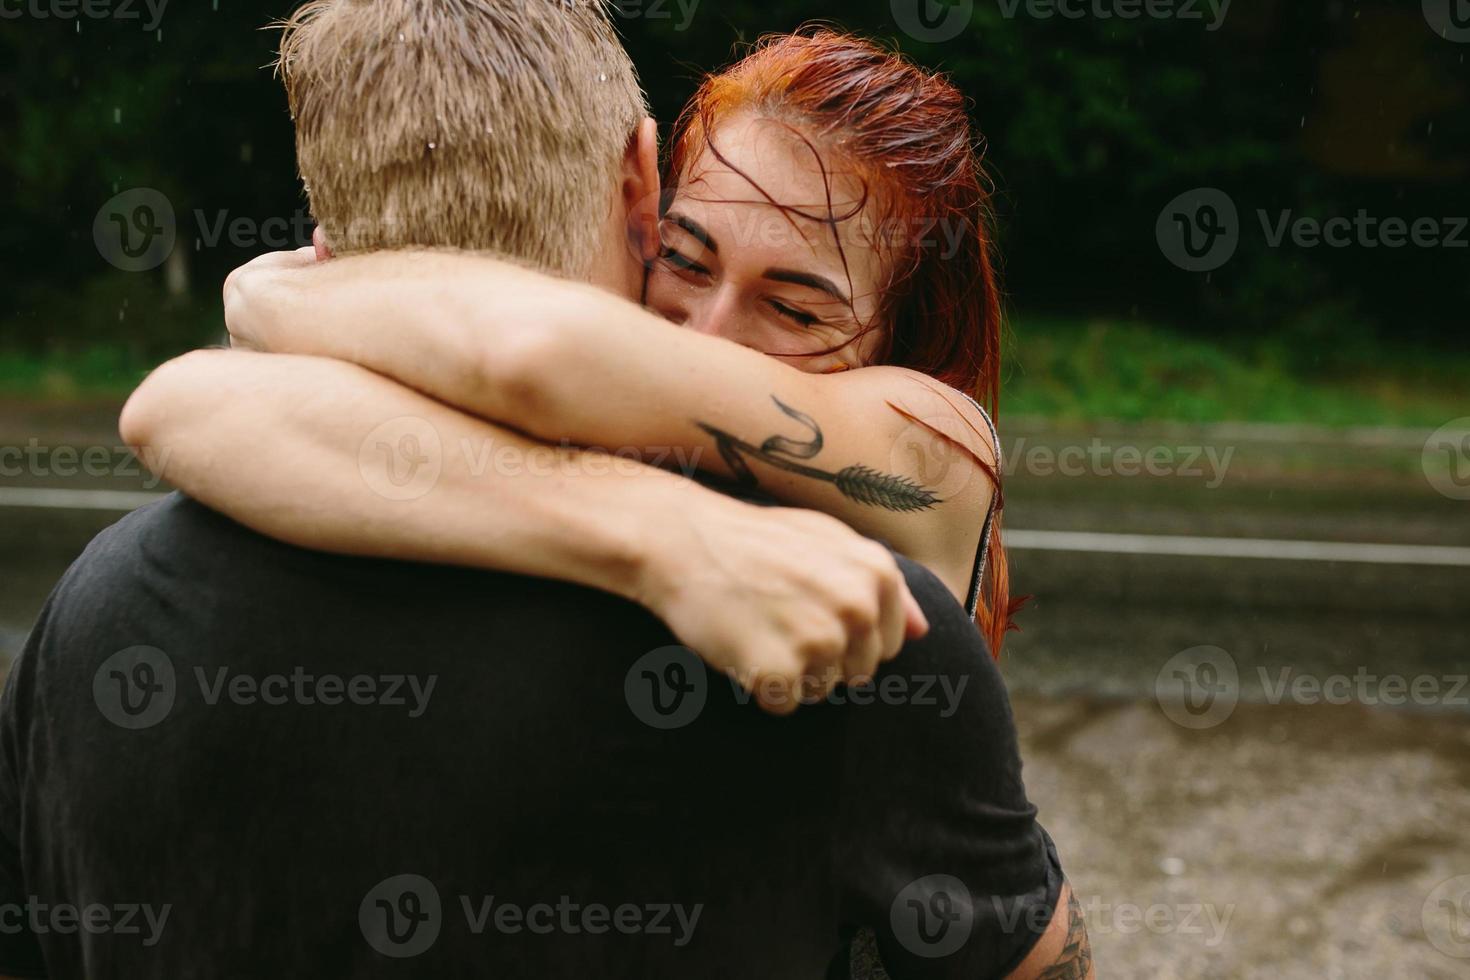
[224, 756]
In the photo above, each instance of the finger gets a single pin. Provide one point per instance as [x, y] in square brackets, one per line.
[866, 649]
[776, 693]
[818, 686]
[894, 616]
[916, 623]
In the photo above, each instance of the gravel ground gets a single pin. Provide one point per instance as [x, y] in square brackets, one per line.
[1290, 841]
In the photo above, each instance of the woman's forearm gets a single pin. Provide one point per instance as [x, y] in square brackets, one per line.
[464, 329]
[556, 359]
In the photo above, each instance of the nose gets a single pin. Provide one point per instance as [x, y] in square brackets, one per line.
[713, 312]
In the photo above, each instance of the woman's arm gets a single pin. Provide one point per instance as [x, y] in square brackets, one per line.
[888, 451]
[327, 455]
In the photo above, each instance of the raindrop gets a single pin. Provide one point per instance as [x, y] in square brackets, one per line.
[117, 114]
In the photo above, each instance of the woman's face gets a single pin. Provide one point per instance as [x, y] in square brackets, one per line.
[735, 265]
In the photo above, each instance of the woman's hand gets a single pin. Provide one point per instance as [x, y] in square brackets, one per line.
[249, 294]
[788, 602]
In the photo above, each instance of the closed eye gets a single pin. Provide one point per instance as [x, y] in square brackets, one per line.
[805, 319]
[681, 262]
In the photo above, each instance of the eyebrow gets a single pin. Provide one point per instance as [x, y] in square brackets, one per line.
[819, 283]
[810, 280]
[695, 229]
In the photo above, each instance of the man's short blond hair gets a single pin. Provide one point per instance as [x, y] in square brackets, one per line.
[491, 125]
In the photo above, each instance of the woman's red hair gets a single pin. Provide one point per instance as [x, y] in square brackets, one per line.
[907, 134]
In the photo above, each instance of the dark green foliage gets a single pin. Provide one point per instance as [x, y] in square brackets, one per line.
[1092, 125]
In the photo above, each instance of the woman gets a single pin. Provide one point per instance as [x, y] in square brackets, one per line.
[830, 326]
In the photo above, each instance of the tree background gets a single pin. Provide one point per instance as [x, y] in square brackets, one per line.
[1322, 107]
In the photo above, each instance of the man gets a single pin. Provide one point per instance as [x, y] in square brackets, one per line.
[220, 754]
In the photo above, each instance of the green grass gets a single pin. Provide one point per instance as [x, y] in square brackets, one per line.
[1077, 370]
[94, 373]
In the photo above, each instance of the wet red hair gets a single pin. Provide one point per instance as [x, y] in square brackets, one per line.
[906, 133]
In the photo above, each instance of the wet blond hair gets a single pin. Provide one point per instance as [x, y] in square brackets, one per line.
[490, 125]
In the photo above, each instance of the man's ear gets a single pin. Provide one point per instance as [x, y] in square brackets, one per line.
[642, 189]
[319, 242]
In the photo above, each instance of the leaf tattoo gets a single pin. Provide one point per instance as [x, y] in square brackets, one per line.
[861, 484]
[1075, 961]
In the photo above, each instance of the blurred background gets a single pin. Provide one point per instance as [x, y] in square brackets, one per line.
[1236, 417]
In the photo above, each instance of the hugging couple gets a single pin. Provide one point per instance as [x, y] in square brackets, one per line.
[359, 703]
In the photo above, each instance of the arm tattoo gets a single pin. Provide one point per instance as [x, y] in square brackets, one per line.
[861, 484]
[1075, 961]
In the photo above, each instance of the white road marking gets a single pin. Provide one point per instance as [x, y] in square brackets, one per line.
[1182, 546]
[51, 498]
[1192, 547]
